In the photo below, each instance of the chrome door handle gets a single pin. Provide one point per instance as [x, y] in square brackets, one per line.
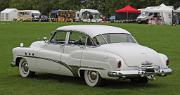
[62, 44]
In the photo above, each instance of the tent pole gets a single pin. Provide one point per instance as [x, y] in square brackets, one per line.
[172, 18]
[162, 16]
[127, 16]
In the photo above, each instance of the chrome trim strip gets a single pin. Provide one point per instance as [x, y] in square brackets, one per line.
[72, 68]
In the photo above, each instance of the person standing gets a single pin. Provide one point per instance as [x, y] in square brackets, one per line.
[90, 17]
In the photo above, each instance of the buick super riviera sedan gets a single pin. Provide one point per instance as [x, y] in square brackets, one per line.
[93, 52]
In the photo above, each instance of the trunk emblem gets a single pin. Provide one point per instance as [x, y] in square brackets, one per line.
[143, 53]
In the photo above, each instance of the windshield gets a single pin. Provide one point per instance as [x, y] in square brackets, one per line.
[35, 14]
[113, 38]
[144, 13]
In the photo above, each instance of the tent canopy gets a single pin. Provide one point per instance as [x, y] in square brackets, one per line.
[8, 10]
[128, 9]
[161, 8]
[164, 8]
[177, 10]
[90, 10]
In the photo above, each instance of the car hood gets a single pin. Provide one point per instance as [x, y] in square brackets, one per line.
[133, 54]
[37, 44]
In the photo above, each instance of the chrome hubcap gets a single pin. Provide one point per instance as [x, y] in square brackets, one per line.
[24, 67]
[92, 76]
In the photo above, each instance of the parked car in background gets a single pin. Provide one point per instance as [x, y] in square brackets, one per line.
[44, 18]
[112, 18]
[88, 15]
[93, 52]
[144, 17]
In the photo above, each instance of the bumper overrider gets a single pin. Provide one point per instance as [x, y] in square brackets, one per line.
[13, 64]
[142, 72]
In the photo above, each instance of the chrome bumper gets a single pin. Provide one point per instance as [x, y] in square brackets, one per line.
[140, 72]
[13, 64]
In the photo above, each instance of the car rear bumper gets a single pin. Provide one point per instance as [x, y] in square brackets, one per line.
[140, 72]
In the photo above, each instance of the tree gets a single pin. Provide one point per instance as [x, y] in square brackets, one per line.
[106, 7]
[4, 4]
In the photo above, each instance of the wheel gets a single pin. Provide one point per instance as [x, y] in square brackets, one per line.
[147, 21]
[92, 78]
[24, 69]
[139, 80]
[139, 22]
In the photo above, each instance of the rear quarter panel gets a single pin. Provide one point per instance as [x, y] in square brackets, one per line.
[99, 60]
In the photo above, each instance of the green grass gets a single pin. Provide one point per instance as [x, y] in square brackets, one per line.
[164, 39]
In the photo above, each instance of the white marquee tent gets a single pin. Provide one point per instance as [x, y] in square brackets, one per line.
[9, 14]
[165, 12]
[177, 15]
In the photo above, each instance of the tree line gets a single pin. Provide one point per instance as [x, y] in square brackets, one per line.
[106, 7]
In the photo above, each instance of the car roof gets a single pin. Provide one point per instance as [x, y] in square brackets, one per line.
[93, 30]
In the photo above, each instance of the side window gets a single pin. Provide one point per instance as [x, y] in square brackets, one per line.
[77, 38]
[59, 37]
[90, 42]
[150, 14]
[99, 40]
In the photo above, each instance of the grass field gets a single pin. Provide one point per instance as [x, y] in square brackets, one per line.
[164, 39]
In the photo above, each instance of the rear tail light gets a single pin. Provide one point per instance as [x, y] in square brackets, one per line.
[167, 62]
[119, 64]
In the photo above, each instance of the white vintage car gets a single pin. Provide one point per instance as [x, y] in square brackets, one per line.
[93, 52]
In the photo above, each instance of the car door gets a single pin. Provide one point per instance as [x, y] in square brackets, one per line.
[73, 51]
[49, 57]
[94, 58]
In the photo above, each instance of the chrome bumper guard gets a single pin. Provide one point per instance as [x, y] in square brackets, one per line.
[142, 72]
[13, 64]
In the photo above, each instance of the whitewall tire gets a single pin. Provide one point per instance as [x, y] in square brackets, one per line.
[92, 78]
[24, 69]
